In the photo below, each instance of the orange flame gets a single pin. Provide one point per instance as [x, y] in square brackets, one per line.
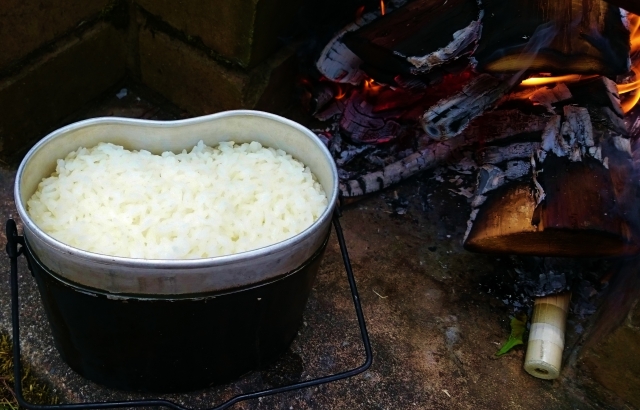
[631, 101]
[534, 81]
[383, 8]
[632, 87]
[340, 94]
[371, 87]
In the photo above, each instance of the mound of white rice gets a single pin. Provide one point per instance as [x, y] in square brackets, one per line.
[208, 202]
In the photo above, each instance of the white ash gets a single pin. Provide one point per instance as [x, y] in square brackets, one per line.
[400, 169]
[490, 177]
[577, 130]
[548, 96]
[517, 169]
[458, 47]
[622, 144]
[495, 155]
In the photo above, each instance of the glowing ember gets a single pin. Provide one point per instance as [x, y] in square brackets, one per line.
[371, 87]
[382, 8]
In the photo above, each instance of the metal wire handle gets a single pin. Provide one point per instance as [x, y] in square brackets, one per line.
[13, 240]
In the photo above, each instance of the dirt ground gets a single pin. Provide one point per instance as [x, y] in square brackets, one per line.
[434, 326]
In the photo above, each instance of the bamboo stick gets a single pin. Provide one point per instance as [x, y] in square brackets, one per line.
[546, 336]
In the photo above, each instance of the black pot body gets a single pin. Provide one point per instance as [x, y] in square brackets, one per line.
[173, 343]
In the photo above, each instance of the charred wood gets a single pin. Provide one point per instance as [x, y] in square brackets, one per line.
[558, 36]
[363, 125]
[393, 173]
[450, 116]
[491, 127]
[418, 36]
[599, 91]
[497, 154]
[578, 216]
[337, 62]
[499, 125]
[579, 198]
[322, 94]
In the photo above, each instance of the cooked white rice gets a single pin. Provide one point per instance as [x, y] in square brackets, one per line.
[208, 202]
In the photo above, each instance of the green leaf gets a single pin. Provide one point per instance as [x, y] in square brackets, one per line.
[518, 326]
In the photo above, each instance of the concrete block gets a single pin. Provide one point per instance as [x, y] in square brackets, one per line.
[191, 79]
[26, 25]
[40, 96]
[244, 32]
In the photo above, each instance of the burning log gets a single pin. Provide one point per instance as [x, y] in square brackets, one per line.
[573, 201]
[491, 127]
[402, 169]
[337, 62]
[599, 91]
[417, 37]
[452, 115]
[559, 36]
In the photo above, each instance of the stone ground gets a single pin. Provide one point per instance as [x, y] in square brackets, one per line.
[434, 327]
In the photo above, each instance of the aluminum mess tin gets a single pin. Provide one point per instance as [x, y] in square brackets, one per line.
[175, 325]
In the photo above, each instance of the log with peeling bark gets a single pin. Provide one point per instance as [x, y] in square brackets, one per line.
[393, 173]
[337, 62]
[491, 127]
[417, 37]
[450, 116]
[577, 199]
[557, 36]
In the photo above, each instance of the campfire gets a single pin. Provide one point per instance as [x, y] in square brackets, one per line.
[532, 94]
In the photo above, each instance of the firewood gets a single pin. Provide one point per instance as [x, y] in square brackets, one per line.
[557, 36]
[417, 37]
[491, 127]
[503, 124]
[599, 91]
[337, 62]
[496, 155]
[577, 200]
[362, 125]
[321, 95]
[393, 173]
[452, 115]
